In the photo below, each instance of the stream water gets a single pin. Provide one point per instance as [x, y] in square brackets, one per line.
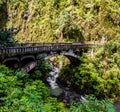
[64, 94]
[55, 90]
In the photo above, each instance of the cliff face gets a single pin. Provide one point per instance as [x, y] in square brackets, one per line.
[61, 20]
[3, 14]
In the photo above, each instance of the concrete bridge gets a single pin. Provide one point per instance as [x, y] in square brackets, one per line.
[25, 56]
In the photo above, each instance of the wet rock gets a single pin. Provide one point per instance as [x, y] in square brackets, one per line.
[67, 88]
[64, 100]
[56, 92]
[117, 106]
[68, 83]
[71, 97]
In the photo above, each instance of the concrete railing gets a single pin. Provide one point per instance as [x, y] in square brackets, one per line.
[41, 47]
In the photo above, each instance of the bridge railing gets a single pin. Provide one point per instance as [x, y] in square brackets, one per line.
[40, 47]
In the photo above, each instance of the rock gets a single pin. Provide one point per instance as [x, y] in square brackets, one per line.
[117, 106]
[67, 88]
[56, 92]
[64, 100]
[25, 16]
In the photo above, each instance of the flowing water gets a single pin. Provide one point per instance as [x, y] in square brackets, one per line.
[65, 94]
[55, 90]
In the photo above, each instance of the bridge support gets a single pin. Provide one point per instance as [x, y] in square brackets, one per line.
[27, 68]
[26, 63]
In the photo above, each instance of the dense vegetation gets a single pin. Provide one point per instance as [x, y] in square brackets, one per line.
[19, 92]
[98, 72]
[61, 20]
[6, 39]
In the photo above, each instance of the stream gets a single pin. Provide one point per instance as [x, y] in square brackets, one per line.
[64, 94]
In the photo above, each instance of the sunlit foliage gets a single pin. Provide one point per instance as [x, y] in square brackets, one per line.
[98, 72]
[63, 20]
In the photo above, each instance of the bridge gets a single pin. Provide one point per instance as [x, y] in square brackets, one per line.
[26, 56]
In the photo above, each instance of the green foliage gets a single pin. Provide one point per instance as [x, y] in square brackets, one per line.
[62, 20]
[93, 105]
[6, 39]
[98, 73]
[41, 70]
[3, 14]
[1, 2]
[18, 93]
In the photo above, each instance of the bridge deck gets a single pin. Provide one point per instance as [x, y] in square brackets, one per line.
[41, 47]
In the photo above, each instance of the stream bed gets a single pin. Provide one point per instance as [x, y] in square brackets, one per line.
[63, 93]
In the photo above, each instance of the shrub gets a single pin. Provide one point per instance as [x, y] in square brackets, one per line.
[92, 105]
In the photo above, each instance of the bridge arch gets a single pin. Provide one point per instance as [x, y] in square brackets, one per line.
[73, 57]
[27, 59]
[73, 60]
[12, 62]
